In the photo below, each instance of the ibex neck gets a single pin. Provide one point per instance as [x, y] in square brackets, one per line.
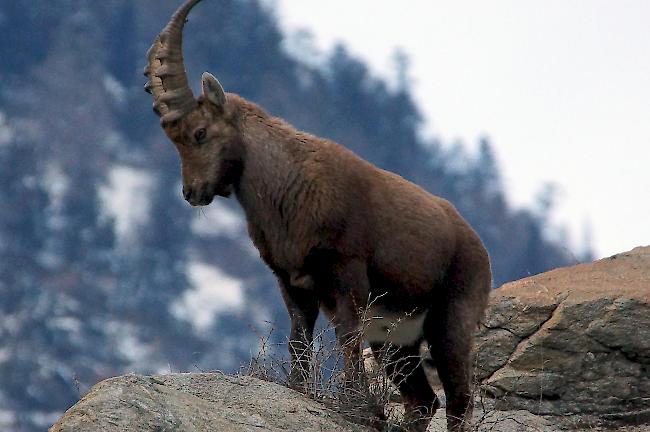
[272, 169]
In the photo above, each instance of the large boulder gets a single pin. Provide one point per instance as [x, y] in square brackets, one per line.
[197, 402]
[574, 340]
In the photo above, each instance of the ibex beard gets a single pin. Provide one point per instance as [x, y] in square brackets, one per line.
[342, 236]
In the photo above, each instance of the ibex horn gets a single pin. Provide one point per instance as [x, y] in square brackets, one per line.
[172, 95]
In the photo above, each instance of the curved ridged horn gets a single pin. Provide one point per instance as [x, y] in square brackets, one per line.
[172, 95]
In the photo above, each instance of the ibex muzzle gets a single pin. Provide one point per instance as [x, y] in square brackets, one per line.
[342, 236]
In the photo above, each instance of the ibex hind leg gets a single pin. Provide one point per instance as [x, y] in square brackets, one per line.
[404, 368]
[449, 333]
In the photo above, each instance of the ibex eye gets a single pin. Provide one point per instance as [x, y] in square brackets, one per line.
[200, 134]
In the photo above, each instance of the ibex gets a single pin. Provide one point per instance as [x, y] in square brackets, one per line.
[340, 234]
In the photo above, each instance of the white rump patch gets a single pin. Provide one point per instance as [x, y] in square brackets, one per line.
[397, 328]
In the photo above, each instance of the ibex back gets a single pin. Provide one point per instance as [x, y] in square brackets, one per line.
[342, 235]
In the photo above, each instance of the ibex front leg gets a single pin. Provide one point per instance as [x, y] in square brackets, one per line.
[302, 305]
[350, 296]
[347, 324]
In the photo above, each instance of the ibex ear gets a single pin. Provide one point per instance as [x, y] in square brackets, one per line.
[212, 90]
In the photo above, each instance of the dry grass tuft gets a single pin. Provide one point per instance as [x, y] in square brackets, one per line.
[375, 401]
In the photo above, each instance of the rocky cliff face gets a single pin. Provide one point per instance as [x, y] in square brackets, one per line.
[566, 348]
[574, 340]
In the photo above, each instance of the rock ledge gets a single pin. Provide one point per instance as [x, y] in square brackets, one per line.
[197, 402]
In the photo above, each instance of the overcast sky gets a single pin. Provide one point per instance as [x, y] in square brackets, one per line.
[561, 87]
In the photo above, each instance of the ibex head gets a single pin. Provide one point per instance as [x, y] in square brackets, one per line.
[202, 129]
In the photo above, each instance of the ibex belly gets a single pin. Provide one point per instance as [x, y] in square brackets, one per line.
[397, 328]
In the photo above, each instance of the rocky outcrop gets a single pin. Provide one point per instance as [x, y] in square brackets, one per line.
[574, 340]
[566, 348]
[197, 402]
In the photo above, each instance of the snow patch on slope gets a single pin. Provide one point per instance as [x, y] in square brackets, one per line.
[125, 337]
[115, 88]
[218, 219]
[125, 198]
[7, 418]
[213, 292]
